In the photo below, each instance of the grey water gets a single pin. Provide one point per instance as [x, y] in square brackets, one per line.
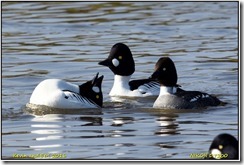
[66, 40]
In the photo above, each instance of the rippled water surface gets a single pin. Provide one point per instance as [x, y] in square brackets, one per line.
[66, 40]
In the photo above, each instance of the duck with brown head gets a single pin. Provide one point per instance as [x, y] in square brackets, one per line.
[171, 95]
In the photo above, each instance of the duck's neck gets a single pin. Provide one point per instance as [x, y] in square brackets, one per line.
[166, 90]
[120, 86]
[121, 81]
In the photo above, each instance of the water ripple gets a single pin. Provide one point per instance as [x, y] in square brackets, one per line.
[66, 40]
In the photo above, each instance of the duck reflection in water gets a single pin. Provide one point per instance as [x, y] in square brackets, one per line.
[91, 121]
[167, 125]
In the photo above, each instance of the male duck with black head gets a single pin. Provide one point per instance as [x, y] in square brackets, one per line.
[58, 93]
[120, 61]
[224, 146]
[171, 95]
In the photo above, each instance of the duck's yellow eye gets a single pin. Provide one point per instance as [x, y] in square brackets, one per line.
[220, 147]
[120, 57]
[97, 96]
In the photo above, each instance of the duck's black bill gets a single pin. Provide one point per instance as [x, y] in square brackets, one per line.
[95, 78]
[106, 62]
[99, 80]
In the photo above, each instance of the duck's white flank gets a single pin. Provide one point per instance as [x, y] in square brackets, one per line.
[59, 94]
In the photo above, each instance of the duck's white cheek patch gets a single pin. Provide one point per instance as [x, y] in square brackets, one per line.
[215, 153]
[96, 89]
[115, 62]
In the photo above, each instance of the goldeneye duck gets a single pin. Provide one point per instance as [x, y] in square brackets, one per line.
[121, 63]
[171, 96]
[57, 93]
[224, 146]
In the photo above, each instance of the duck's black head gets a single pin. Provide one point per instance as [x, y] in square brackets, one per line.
[165, 72]
[92, 90]
[224, 146]
[120, 60]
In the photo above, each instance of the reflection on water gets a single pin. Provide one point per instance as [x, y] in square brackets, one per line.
[167, 125]
[40, 110]
[120, 121]
[93, 121]
[66, 40]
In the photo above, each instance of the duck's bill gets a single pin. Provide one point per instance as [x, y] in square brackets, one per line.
[106, 62]
[95, 78]
[97, 81]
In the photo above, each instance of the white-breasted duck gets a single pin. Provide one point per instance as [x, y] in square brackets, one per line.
[121, 63]
[57, 93]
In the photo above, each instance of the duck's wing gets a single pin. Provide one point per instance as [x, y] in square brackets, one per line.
[76, 98]
[198, 97]
[145, 86]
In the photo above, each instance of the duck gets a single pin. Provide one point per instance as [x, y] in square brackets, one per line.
[57, 93]
[223, 146]
[120, 61]
[171, 96]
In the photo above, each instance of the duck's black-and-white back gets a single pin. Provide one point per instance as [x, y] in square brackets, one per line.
[171, 95]
[57, 93]
[121, 63]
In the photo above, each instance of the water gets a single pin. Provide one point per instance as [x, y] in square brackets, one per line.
[66, 40]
